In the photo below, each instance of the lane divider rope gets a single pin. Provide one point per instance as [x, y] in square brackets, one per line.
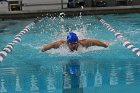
[119, 36]
[9, 47]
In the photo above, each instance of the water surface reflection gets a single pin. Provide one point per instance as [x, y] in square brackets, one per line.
[71, 76]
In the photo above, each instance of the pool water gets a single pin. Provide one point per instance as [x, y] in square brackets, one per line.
[93, 70]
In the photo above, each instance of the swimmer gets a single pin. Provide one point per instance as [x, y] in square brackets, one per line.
[73, 43]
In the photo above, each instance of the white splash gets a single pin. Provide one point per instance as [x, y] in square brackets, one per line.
[64, 51]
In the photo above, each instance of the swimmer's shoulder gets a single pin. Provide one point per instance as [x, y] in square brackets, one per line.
[61, 42]
[86, 42]
[82, 42]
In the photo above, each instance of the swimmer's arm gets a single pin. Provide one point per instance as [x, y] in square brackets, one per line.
[52, 45]
[89, 42]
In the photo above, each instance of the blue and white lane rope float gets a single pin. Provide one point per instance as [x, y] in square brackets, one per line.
[9, 47]
[119, 36]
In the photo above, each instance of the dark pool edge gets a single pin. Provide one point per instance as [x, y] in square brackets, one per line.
[69, 12]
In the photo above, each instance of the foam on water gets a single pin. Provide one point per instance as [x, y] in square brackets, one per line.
[64, 51]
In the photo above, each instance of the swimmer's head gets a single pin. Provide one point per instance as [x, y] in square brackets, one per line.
[72, 38]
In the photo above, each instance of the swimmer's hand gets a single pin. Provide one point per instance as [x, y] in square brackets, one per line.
[106, 44]
[42, 49]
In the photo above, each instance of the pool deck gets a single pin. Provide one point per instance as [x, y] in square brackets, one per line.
[5, 14]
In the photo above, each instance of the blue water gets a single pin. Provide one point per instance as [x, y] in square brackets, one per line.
[100, 70]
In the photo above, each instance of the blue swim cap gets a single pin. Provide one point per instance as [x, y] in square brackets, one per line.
[72, 37]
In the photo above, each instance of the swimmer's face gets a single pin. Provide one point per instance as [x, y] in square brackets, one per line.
[73, 46]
